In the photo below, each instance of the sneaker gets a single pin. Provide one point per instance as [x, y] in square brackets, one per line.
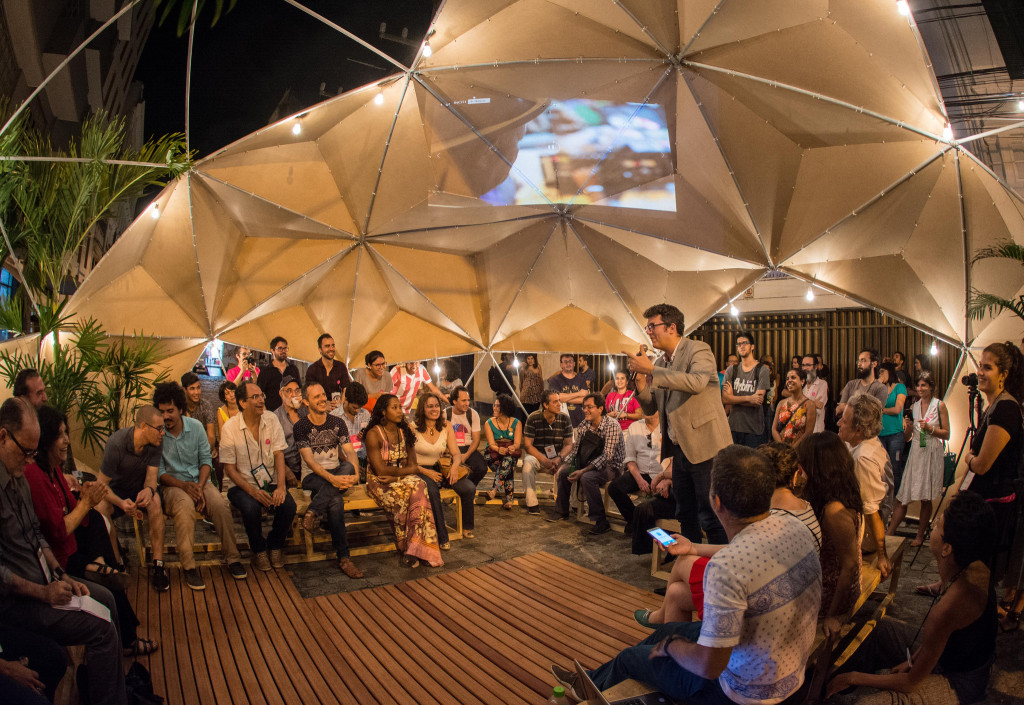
[237, 571]
[535, 509]
[570, 681]
[194, 580]
[261, 561]
[553, 515]
[643, 618]
[277, 557]
[349, 568]
[601, 527]
[159, 579]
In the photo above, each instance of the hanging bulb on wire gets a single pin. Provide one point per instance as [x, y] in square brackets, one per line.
[934, 350]
[733, 311]
[379, 98]
[810, 294]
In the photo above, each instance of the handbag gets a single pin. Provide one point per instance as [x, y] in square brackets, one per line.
[444, 466]
[948, 467]
[503, 443]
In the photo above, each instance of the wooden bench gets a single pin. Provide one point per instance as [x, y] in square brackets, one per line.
[303, 546]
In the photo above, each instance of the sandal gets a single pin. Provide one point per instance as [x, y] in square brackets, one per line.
[106, 575]
[933, 590]
[446, 546]
[917, 544]
[410, 561]
[491, 494]
[468, 534]
[507, 506]
[141, 647]
[1010, 623]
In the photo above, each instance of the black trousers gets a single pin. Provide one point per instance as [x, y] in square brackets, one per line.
[476, 464]
[44, 656]
[692, 484]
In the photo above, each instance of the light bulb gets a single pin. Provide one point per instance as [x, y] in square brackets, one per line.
[947, 133]
[437, 368]
[297, 128]
[1020, 105]
[154, 211]
[515, 362]
[934, 350]
[427, 51]
[733, 311]
[810, 294]
[903, 7]
[611, 365]
[379, 98]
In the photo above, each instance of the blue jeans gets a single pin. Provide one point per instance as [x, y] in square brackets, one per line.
[895, 445]
[329, 502]
[750, 440]
[664, 674]
[691, 483]
[252, 519]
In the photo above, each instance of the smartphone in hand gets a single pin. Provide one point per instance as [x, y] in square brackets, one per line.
[661, 536]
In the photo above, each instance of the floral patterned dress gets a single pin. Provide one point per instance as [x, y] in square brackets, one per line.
[404, 500]
[792, 420]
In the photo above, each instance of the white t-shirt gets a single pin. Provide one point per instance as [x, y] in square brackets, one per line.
[762, 593]
[869, 465]
[406, 386]
[239, 448]
[818, 391]
[647, 456]
[466, 429]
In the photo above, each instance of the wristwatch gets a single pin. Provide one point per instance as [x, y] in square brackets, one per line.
[58, 573]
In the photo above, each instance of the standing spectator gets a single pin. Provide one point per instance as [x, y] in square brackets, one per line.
[406, 381]
[892, 419]
[449, 378]
[570, 388]
[643, 461]
[245, 367]
[597, 457]
[356, 418]
[531, 383]
[585, 371]
[270, 376]
[816, 390]
[499, 377]
[200, 409]
[185, 468]
[547, 440]
[922, 479]
[504, 436]
[252, 450]
[289, 414]
[921, 364]
[745, 387]
[794, 417]
[374, 377]
[731, 360]
[865, 383]
[622, 404]
[329, 373]
[898, 362]
[329, 468]
[858, 428]
[682, 388]
[465, 423]
[435, 439]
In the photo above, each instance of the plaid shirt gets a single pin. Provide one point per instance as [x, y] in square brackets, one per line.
[610, 460]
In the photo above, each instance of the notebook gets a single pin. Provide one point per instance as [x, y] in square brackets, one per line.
[594, 695]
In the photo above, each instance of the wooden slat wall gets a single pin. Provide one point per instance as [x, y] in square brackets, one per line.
[480, 635]
[837, 335]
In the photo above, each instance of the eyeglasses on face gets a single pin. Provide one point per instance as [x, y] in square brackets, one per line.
[254, 397]
[29, 453]
[741, 343]
[158, 429]
[649, 328]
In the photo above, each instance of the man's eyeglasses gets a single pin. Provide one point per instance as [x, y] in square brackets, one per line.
[742, 343]
[649, 328]
[158, 429]
[29, 453]
[253, 397]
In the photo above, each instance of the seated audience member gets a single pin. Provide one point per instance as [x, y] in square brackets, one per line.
[958, 638]
[796, 415]
[130, 465]
[77, 533]
[29, 385]
[252, 450]
[547, 440]
[925, 468]
[569, 387]
[622, 404]
[685, 591]
[831, 488]
[289, 414]
[465, 423]
[185, 468]
[407, 380]
[392, 479]
[329, 468]
[643, 461]
[355, 417]
[245, 369]
[374, 377]
[858, 428]
[504, 436]
[31, 667]
[200, 409]
[436, 438]
[761, 595]
[226, 394]
[33, 586]
[329, 373]
[661, 505]
[596, 458]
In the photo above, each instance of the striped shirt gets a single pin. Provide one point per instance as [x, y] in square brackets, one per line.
[406, 386]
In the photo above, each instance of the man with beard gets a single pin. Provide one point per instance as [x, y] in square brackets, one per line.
[816, 390]
[898, 359]
[329, 373]
[270, 376]
[865, 383]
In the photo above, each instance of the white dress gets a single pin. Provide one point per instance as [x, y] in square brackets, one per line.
[922, 477]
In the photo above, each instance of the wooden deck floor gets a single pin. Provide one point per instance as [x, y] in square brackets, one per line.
[480, 635]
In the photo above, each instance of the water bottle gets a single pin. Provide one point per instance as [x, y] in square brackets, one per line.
[558, 697]
[924, 436]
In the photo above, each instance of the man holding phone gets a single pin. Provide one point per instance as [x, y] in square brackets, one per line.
[332, 375]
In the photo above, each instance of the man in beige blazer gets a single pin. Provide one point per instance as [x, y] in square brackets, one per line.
[683, 388]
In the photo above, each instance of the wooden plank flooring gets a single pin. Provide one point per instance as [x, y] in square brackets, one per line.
[479, 635]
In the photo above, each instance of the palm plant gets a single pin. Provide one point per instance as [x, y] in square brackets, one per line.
[981, 303]
[185, 11]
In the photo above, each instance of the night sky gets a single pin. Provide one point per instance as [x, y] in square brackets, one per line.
[243, 66]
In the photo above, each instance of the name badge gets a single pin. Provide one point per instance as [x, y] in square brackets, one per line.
[262, 476]
[357, 443]
[550, 452]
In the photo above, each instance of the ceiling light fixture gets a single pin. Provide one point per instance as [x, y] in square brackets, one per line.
[947, 133]
[427, 51]
[611, 365]
[297, 128]
[934, 350]
[379, 98]
[1020, 105]
[154, 211]
[810, 293]
[903, 7]
[733, 311]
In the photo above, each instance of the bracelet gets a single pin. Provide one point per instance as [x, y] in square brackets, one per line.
[969, 461]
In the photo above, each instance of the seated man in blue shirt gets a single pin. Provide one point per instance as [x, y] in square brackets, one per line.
[186, 488]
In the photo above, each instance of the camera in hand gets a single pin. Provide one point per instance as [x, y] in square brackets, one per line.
[970, 380]
[250, 359]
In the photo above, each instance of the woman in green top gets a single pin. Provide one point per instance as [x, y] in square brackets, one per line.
[504, 436]
[892, 419]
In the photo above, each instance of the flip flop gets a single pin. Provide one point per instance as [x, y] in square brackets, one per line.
[927, 590]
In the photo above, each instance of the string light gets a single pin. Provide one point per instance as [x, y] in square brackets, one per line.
[427, 51]
[903, 7]
[733, 311]
[379, 98]
[437, 368]
[297, 128]
[154, 211]
[611, 365]
[947, 133]
[934, 350]
[515, 362]
[810, 294]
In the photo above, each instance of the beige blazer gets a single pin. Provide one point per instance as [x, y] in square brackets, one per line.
[686, 394]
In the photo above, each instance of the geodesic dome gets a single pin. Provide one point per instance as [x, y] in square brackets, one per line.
[550, 168]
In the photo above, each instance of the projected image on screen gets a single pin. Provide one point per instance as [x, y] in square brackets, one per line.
[592, 151]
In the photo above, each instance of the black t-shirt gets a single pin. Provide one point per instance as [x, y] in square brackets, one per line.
[270, 382]
[998, 481]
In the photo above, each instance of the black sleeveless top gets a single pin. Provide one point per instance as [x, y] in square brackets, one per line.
[969, 653]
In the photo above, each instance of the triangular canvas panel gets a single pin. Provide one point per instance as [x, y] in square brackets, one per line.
[667, 254]
[461, 240]
[572, 329]
[650, 23]
[406, 337]
[738, 22]
[293, 324]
